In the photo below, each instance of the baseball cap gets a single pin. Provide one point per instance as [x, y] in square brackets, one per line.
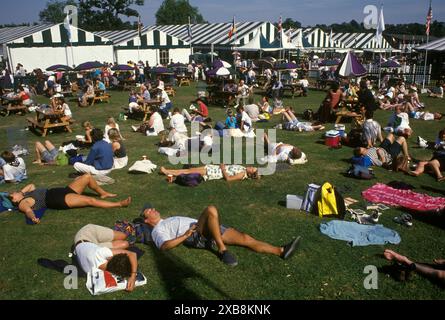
[145, 207]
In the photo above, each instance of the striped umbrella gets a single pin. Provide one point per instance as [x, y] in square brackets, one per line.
[390, 64]
[350, 67]
[221, 63]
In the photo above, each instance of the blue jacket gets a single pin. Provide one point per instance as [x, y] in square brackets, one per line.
[100, 156]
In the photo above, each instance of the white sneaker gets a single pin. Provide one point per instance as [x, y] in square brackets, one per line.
[422, 142]
[135, 129]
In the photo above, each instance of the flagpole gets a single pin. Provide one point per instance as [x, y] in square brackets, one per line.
[380, 35]
[190, 35]
[140, 37]
[427, 42]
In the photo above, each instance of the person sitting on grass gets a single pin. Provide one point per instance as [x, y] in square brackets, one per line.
[291, 123]
[229, 173]
[120, 159]
[13, 169]
[88, 94]
[104, 249]
[100, 157]
[31, 201]
[433, 272]
[436, 165]
[207, 232]
[45, 154]
[153, 126]
[230, 122]
[199, 114]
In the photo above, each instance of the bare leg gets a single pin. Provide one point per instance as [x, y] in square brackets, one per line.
[420, 169]
[287, 116]
[236, 238]
[435, 165]
[402, 142]
[74, 200]
[119, 240]
[49, 145]
[79, 185]
[209, 227]
[201, 170]
[39, 150]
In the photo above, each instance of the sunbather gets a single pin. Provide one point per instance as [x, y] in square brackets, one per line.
[29, 199]
[214, 172]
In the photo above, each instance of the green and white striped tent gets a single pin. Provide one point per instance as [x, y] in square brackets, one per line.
[153, 46]
[320, 40]
[51, 45]
[206, 35]
[363, 41]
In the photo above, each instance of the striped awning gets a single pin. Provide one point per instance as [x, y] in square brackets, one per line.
[437, 45]
[57, 36]
[217, 33]
[361, 41]
[320, 39]
[12, 33]
[150, 39]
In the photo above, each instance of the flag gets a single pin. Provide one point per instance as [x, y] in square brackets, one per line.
[232, 29]
[280, 24]
[429, 18]
[67, 25]
[139, 27]
[380, 27]
[189, 30]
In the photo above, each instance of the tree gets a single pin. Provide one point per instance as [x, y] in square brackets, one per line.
[53, 13]
[97, 15]
[178, 12]
[291, 24]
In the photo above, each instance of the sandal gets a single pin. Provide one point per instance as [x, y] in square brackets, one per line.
[405, 219]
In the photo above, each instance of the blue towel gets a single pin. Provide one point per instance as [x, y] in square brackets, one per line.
[359, 234]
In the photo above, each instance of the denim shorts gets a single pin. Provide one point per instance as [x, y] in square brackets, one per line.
[50, 156]
[198, 241]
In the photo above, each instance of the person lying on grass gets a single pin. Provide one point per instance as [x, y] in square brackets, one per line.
[103, 248]
[207, 232]
[233, 172]
[291, 123]
[30, 200]
[283, 152]
[436, 272]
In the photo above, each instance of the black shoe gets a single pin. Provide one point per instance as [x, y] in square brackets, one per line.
[289, 249]
[228, 258]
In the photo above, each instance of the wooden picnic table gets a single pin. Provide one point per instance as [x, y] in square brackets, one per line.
[10, 104]
[183, 80]
[347, 110]
[216, 96]
[323, 83]
[100, 96]
[127, 84]
[293, 88]
[147, 105]
[48, 119]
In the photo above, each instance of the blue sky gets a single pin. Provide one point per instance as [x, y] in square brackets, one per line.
[308, 12]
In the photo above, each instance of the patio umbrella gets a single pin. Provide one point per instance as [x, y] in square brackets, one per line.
[178, 65]
[286, 66]
[89, 65]
[222, 72]
[122, 67]
[390, 64]
[161, 70]
[59, 67]
[329, 63]
[221, 63]
[350, 67]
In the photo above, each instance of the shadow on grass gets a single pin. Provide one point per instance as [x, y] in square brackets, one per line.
[173, 273]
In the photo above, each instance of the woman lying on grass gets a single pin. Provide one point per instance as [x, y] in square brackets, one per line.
[31, 200]
[232, 172]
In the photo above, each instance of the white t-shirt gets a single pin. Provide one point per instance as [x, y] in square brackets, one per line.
[164, 98]
[177, 123]
[158, 124]
[161, 85]
[284, 152]
[171, 228]
[67, 111]
[107, 128]
[304, 83]
[90, 255]
[243, 90]
[253, 111]
[246, 119]
[12, 171]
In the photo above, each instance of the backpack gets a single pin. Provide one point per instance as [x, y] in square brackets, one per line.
[189, 180]
[62, 159]
[330, 202]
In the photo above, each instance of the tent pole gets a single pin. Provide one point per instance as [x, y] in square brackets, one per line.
[426, 60]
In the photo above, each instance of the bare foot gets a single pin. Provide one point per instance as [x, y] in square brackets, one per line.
[37, 162]
[35, 220]
[126, 202]
[391, 256]
[108, 195]
[439, 261]
[163, 170]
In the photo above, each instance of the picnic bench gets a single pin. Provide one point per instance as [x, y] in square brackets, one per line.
[47, 119]
[9, 105]
[293, 88]
[170, 91]
[183, 81]
[347, 110]
[128, 84]
[100, 96]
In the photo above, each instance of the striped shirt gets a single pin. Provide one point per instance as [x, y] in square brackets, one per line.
[373, 155]
[371, 131]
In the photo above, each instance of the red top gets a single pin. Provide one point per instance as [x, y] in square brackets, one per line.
[203, 109]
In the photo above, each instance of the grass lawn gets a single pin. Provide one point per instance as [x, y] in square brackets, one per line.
[322, 268]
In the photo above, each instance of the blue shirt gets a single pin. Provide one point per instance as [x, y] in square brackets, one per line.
[100, 156]
[231, 122]
[101, 86]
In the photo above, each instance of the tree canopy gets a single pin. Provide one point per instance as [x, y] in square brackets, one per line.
[178, 12]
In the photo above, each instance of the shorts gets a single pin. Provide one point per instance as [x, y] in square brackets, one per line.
[99, 235]
[393, 149]
[198, 241]
[50, 156]
[55, 198]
